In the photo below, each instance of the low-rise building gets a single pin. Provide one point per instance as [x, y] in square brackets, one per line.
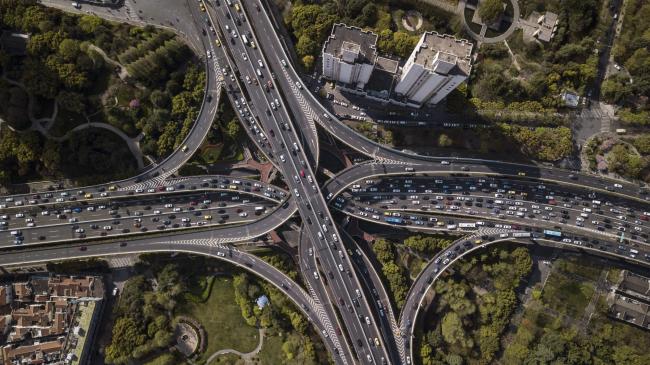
[630, 299]
[349, 56]
[39, 315]
[539, 26]
[437, 65]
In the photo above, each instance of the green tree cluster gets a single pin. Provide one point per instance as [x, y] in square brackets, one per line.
[395, 275]
[490, 10]
[642, 144]
[621, 160]
[62, 67]
[143, 324]
[425, 244]
[541, 143]
[468, 323]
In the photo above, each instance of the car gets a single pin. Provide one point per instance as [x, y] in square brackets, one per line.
[299, 85]
[283, 62]
[83, 248]
[243, 55]
[259, 62]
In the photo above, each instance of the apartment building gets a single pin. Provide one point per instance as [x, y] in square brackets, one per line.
[437, 65]
[349, 56]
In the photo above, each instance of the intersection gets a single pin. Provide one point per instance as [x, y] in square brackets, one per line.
[247, 63]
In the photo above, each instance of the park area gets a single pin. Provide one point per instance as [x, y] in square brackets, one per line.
[566, 320]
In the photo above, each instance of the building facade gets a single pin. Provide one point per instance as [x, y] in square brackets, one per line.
[437, 65]
[349, 56]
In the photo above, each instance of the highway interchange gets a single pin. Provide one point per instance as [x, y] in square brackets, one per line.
[345, 299]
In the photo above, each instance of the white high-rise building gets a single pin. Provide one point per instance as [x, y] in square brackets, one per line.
[438, 64]
[349, 55]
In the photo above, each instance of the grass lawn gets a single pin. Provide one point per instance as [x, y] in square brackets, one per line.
[272, 353]
[221, 317]
[582, 266]
[227, 359]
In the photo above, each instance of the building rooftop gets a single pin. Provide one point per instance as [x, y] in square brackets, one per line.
[540, 26]
[387, 64]
[352, 44]
[630, 310]
[635, 285]
[445, 48]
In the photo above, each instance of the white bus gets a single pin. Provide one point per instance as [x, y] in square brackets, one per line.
[467, 225]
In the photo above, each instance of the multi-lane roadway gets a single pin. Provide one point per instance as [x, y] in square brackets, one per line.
[245, 57]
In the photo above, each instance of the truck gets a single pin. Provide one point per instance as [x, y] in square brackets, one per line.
[393, 220]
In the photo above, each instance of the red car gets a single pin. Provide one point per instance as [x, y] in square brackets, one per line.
[302, 173]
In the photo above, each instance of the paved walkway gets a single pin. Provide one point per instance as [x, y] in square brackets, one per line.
[247, 357]
[123, 74]
[37, 123]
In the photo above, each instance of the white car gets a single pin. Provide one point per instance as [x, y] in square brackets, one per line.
[283, 62]
[299, 85]
[243, 55]
[282, 158]
[259, 62]
[209, 54]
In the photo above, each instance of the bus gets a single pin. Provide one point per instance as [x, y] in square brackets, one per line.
[467, 225]
[521, 234]
[393, 220]
[550, 233]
